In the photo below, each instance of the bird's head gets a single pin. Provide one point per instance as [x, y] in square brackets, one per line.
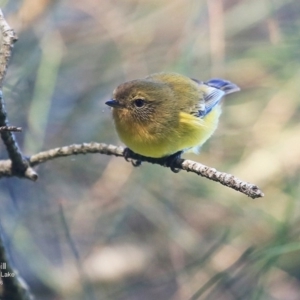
[139, 101]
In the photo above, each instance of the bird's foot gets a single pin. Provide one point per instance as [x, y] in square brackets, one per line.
[128, 154]
[170, 161]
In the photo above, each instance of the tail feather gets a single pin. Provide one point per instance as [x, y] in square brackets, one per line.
[226, 86]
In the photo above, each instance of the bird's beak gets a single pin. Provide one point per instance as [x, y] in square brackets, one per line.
[113, 103]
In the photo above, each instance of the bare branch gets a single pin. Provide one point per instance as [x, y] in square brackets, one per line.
[75, 149]
[8, 39]
[10, 128]
[19, 163]
[228, 180]
[14, 287]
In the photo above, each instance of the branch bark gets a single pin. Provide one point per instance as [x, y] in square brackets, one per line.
[10, 128]
[19, 166]
[228, 180]
[13, 286]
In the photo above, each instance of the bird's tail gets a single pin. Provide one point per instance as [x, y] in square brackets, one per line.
[224, 85]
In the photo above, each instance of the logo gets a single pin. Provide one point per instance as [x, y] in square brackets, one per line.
[5, 274]
[3, 266]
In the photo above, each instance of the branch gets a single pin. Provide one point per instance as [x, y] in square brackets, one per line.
[8, 40]
[10, 128]
[14, 286]
[228, 180]
[20, 166]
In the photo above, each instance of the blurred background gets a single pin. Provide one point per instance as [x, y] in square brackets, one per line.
[94, 227]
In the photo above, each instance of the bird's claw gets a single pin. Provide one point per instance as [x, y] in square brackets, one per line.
[136, 163]
[128, 154]
[170, 161]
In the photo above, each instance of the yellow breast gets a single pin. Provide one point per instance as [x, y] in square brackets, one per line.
[190, 132]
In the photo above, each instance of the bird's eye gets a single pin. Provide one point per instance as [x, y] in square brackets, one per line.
[139, 102]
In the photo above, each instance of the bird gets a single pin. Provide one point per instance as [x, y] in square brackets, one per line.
[166, 114]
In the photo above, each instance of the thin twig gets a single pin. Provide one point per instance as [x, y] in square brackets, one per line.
[10, 128]
[228, 180]
[8, 39]
[19, 163]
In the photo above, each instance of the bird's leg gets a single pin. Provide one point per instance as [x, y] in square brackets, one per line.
[128, 154]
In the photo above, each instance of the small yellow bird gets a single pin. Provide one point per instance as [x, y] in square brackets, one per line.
[166, 114]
